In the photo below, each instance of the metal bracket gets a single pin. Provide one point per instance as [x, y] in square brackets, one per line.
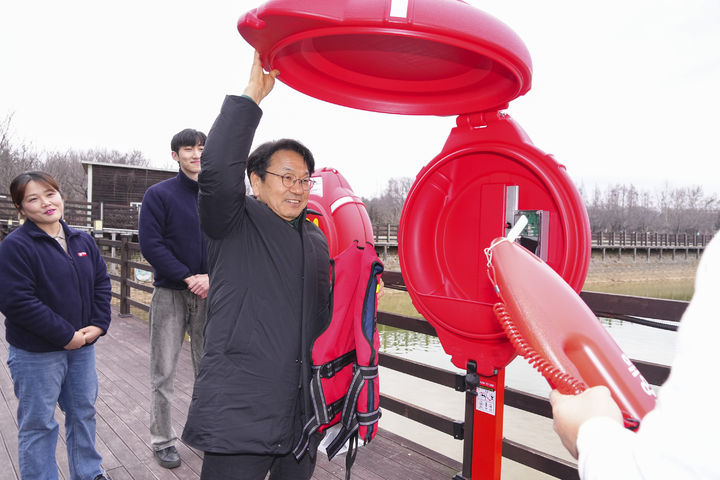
[472, 380]
[458, 430]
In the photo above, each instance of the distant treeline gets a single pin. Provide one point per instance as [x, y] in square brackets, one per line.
[615, 208]
[17, 157]
[624, 208]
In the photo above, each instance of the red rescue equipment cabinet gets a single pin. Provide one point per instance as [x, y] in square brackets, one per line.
[340, 214]
[442, 57]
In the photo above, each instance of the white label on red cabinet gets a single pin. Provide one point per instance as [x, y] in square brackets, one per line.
[485, 399]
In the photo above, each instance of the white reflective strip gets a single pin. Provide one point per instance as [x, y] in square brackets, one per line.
[399, 8]
[340, 202]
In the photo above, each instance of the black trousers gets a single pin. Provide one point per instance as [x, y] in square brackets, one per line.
[255, 467]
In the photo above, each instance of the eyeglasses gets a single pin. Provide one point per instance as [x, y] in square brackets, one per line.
[289, 180]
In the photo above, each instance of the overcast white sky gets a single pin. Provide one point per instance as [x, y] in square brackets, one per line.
[623, 91]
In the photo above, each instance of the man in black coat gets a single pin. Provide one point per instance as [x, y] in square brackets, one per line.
[269, 298]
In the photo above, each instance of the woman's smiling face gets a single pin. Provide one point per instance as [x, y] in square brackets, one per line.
[43, 205]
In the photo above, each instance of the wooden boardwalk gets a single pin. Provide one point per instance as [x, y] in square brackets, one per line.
[123, 418]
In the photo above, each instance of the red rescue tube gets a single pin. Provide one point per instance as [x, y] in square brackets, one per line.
[550, 325]
[341, 215]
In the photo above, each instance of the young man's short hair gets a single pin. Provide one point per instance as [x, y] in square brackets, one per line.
[187, 138]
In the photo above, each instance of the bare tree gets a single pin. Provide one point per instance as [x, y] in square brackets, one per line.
[134, 157]
[69, 172]
[66, 167]
[688, 210]
[671, 210]
[14, 159]
[387, 207]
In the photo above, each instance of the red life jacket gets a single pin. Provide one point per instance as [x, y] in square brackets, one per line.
[345, 388]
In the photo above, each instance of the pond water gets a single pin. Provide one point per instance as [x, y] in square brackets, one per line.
[672, 289]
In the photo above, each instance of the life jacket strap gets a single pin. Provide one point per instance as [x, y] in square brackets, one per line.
[310, 427]
[362, 373]
[345, 434]
[369, 418]
[368, 372]
[317, 395]
[323, 414]
[351, 454]
[331, 368]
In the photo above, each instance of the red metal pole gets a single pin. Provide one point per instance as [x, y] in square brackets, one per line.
[488, 427]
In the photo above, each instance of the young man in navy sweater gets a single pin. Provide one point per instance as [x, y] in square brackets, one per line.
[171, 240]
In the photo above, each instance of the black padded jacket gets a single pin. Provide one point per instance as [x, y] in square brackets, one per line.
[269, 298]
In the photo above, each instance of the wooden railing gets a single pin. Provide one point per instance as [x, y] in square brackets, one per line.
[387, 234]
[75, 213]
[124, 217]
[81, 214]
[632, 309]
[649, 239]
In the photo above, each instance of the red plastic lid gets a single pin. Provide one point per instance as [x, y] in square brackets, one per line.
[424, 57]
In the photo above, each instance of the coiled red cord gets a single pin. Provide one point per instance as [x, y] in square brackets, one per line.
[558, 379]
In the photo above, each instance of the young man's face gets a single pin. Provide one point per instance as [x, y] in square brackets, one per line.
[189, 160]
[286, 202]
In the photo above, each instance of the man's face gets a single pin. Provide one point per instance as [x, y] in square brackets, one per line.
[189, 160]
[286, 202]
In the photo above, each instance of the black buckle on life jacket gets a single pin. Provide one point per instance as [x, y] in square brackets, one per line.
[326, 370]
[329, 369]
[368, 372]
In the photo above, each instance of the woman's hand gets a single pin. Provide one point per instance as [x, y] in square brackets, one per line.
[91, 333]
[77, 341]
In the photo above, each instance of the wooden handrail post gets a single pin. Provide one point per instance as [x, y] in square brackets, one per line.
[471, 383]
[124, 274]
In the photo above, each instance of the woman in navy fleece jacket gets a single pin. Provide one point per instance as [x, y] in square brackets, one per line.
[56, 303]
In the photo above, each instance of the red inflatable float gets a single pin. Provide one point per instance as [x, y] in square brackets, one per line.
[340, 214]
[550, 325]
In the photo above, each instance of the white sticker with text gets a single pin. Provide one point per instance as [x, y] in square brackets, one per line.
[485, 400]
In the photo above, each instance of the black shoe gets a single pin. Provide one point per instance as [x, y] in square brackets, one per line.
[168, 457]
[103, 476]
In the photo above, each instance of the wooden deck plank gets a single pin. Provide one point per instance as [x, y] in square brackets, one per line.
[8, 445]
[123, 416]
[9, 469]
